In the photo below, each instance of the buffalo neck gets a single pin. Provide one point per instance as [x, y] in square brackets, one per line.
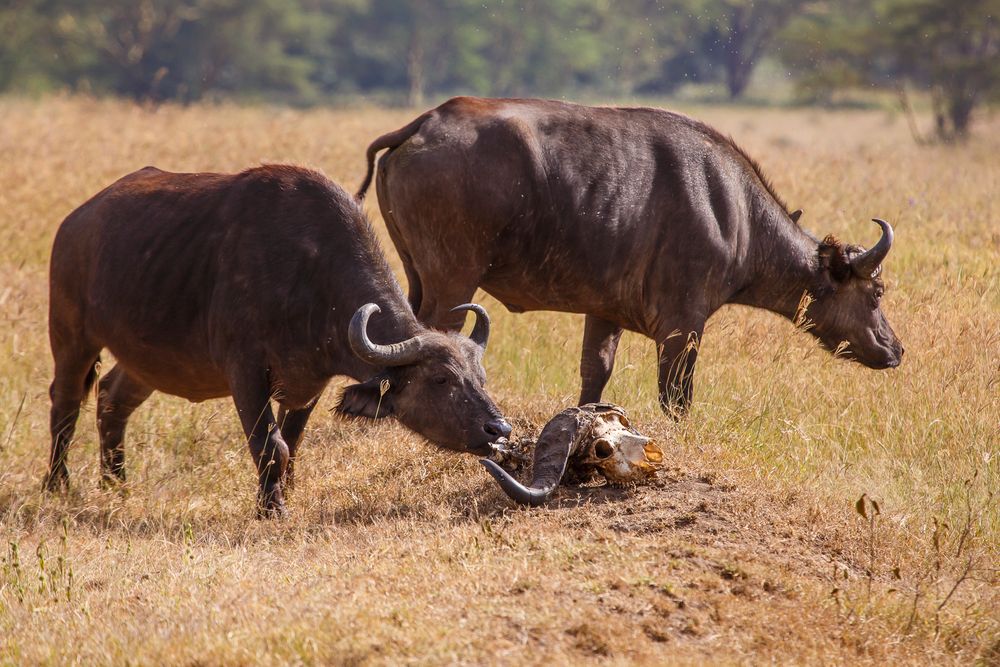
[394, 323]
[781, 261]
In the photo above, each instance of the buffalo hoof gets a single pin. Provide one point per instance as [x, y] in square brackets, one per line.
[273, 512]
[110, 480]
[676, 410]
[56, 482]
[271, 506]
[114, 483]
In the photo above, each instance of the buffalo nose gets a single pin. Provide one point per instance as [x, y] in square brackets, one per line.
[497, 428]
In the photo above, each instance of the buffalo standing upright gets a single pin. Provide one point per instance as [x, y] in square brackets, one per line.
[258, 285]
[642, 219]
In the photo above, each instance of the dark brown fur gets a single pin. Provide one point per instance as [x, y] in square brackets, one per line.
[640, 218]
[211, 285]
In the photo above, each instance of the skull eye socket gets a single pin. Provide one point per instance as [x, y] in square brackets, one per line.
[615, 417]
[603, 449]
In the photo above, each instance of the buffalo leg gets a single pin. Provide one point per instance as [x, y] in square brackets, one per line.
[436, 305]
[415, 291]
[291, 424]
[677, 354]
[74, 376]
[251, 394]
[414, 285]
[600, 342]
[118, 395]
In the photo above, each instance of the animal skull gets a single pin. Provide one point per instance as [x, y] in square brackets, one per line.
[616, 450]
[577, 444]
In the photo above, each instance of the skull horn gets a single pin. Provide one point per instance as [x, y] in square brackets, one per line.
[865, 264]
[555, 444]
[394, 354]
[481, 331]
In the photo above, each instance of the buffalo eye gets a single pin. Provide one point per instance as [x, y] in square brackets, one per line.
[441, 379]
[876, 297]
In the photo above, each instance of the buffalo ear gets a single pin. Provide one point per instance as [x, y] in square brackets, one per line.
[366, 399]
[833, 258]
[795, 215]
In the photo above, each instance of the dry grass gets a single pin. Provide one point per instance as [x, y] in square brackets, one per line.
[749, 550]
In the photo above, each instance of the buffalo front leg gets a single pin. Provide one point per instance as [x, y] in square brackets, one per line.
[600, 343]
[677, 353]
[291, 424]
[251, 394]
[118, 395]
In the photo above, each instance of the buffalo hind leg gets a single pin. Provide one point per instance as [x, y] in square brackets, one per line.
[413, 282]
[415, 291]
[677, 353]
[600, 343]
[118, 395]
[291, 424]
[436, 304]
[251, 394]
[75, 374]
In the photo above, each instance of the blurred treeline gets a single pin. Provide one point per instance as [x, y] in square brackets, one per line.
[308, 51]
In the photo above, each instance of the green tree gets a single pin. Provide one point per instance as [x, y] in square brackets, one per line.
[21, 23]
[411, 45]
[834, 46]
[952, 47]
[683, 44]
[183, 49]
[536, 48]
[634, 40]
[41, 45]
[746, 32]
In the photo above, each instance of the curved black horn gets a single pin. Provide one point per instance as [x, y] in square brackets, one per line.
[552, 452]
[865, 264]
[481, 331]
[522, 495]
[394, 354]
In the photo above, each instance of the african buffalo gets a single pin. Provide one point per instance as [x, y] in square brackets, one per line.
[260, 285]
[642, 219]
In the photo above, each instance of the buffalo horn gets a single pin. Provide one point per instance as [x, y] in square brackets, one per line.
[481, 331]
[394, 354]
[551, 455]
[865, 264]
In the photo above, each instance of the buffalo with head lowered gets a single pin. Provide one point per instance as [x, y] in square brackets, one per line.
[261, 286]
[642, 219]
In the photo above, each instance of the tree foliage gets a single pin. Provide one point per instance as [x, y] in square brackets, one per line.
[744, 32]
[951, 48]
[303, 51]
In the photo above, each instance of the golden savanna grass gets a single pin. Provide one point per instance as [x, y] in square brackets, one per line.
[749, 548]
